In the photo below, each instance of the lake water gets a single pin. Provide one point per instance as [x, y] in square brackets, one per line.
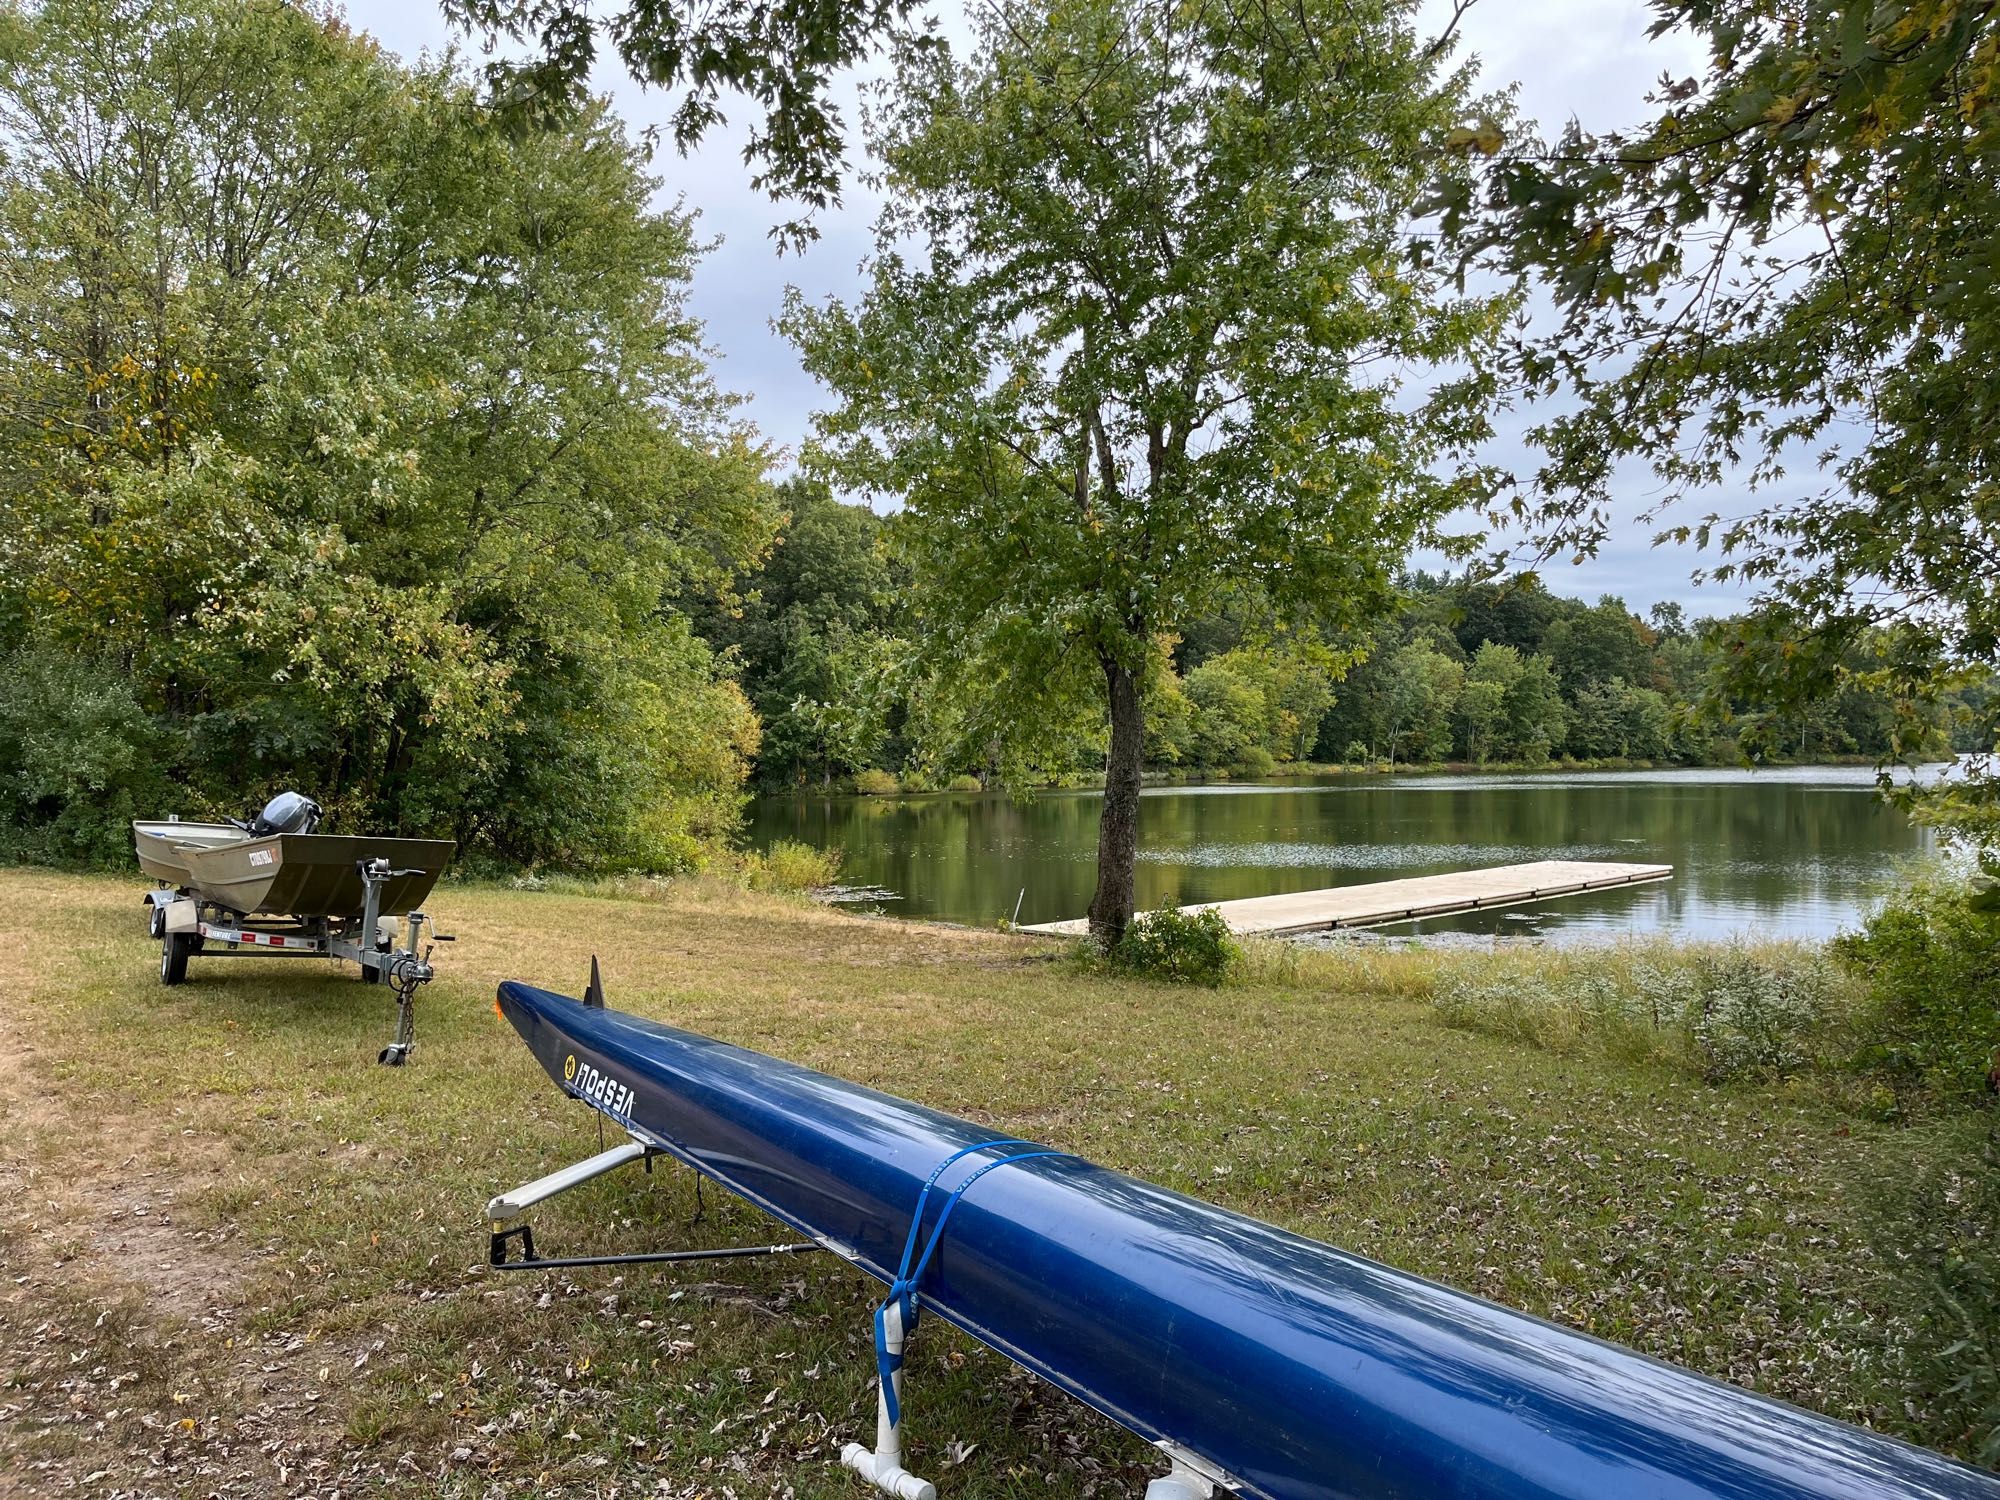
[1798, 852]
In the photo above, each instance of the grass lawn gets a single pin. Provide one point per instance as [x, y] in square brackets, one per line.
[239, 1258]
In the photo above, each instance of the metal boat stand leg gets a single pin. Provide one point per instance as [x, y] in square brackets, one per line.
[883, 1467]
[513, 1205]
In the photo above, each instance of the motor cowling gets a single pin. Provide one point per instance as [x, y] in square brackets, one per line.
[288, 812]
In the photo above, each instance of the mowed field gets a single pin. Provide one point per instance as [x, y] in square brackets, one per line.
[239, 1258]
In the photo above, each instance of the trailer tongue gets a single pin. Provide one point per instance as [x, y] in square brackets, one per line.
[1252, 1358]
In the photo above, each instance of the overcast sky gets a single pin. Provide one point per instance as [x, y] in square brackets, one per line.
[1585, 58]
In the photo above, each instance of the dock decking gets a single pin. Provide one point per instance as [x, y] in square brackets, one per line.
[1386, 901]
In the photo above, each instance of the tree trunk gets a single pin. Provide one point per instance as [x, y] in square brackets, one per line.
[1118, 826]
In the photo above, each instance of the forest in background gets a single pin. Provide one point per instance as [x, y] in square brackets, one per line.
[1466, 671]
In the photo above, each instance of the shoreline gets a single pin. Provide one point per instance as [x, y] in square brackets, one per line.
[1299, 771]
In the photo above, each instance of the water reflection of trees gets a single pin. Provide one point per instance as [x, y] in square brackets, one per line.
[1798, 854]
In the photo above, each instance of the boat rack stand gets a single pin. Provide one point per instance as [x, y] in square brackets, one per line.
[514, 1205]
[1190, 1478]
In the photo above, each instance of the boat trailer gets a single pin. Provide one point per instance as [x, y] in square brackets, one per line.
[272, 886]
[190, 925]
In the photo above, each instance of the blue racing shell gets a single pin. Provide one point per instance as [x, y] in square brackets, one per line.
[1301, 1371]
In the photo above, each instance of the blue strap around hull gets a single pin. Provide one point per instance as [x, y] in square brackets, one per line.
[904, 1288]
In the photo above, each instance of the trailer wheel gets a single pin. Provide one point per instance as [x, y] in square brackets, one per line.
[174, 950]
[156, 920]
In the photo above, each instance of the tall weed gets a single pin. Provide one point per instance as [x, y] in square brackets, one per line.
[1930, 1202]
[1726, 1013]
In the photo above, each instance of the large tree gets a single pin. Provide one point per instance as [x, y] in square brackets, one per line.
[781, 55]
[821, 598]
[1147, 327]
[1788, 278]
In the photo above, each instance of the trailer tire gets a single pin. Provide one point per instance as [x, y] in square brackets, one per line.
[174, 950]
[156, 920]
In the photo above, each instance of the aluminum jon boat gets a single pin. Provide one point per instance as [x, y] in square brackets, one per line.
[1253, 1358]
[314, 874]
[272, 886]
[163, 844]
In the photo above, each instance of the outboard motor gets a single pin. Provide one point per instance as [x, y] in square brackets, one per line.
[288, 812]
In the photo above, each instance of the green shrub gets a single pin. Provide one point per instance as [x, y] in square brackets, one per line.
[964, 784]
[791, 866]
[1356, 754]
[1256, 761]
[876, 783]
[1181, 947]
[80, 758]
[1931, 961]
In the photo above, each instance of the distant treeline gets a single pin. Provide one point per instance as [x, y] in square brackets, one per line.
[1474, 672]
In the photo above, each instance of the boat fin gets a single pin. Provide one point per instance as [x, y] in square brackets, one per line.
[593, 993]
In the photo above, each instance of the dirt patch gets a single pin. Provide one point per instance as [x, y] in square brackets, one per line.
[127, 1363]
[196, 1273]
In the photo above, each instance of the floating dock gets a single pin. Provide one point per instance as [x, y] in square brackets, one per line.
[1385, 901]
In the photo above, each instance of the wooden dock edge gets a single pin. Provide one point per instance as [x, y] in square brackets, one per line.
[1275, 916]
[1453, 908]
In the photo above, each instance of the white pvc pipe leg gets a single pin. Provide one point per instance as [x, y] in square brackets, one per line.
[1182, 1484]
[883, 1468]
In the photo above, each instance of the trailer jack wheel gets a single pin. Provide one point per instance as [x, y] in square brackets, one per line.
[174, 950]
[405, 978]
